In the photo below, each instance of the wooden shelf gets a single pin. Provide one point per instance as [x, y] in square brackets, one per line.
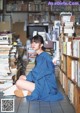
[70, 66]
[24, 11]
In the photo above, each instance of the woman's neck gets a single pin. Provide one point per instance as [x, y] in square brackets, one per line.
[39, 51]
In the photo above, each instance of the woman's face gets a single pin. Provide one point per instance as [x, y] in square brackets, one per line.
[36, 46]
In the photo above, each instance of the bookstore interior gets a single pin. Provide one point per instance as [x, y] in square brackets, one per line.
[59, 24]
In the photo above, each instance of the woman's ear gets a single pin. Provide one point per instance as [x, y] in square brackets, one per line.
[41, 45]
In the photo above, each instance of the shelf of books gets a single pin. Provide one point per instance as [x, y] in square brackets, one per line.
[8, 59]
[5, 74]
[70, 63]
[22, 5]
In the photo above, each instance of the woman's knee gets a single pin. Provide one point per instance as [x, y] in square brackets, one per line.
[22, 77]
[18, 83]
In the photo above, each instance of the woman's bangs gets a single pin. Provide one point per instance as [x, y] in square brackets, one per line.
[35, 40]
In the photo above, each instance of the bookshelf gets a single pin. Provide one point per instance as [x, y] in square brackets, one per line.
[41, 5]
[35, 10]
[41, 9]
[70, 77]
[70, 65]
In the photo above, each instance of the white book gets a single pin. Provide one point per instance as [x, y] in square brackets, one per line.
[69, 30]
[72, 70]
[72, 92]
[78, 77]
[75, 52]
[5, 46]
[75, 70]
[76, 48]
[69, 83]
[69, 48]
[69, 24]
[5, 77]
[63, 81]
[5, 85]
[64, 47]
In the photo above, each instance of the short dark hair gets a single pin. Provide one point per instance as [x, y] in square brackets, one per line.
[38, 39]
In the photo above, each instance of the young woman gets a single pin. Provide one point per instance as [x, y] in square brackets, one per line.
[40, 83]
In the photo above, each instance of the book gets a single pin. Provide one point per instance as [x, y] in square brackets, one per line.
[78, 77]
[76, 48]
[69, 48]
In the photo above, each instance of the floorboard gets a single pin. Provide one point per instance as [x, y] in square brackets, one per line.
[24, 106]
[34, 107]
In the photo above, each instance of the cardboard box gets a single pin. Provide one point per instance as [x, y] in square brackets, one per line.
[5, 26]
[18, 28]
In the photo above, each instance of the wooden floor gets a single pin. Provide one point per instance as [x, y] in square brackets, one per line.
[21, 105]
[24, 106]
